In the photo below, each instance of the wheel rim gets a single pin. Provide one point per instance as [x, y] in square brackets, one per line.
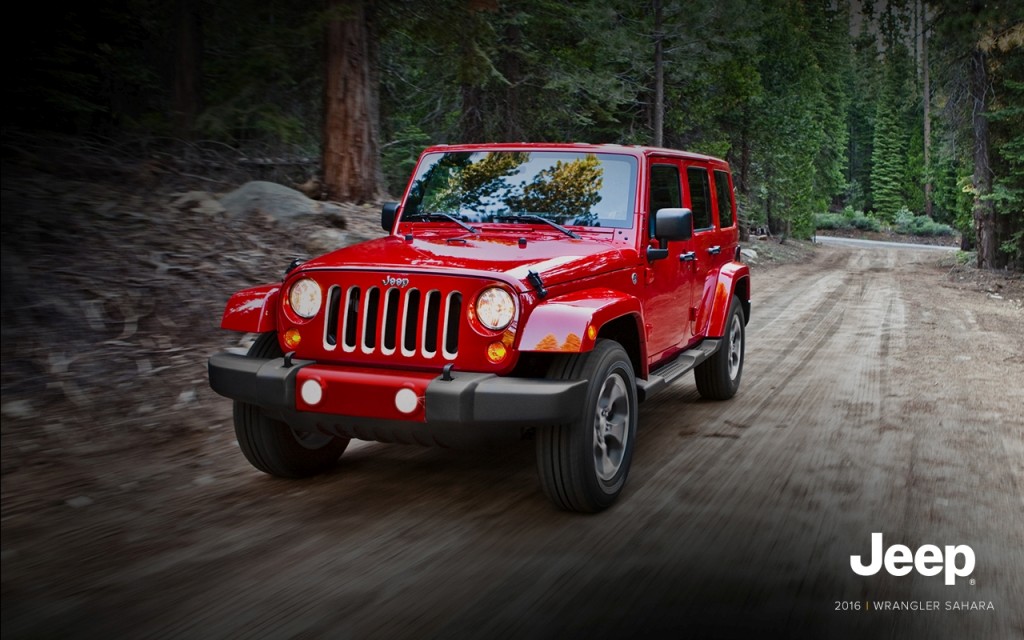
[611, 427]
[735, 346]
[312, 440]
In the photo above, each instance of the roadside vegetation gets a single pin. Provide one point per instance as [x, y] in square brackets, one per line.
[905, 223]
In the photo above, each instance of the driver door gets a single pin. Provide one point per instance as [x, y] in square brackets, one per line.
[669, 281]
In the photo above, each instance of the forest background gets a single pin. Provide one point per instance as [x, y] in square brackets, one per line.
[889, 114]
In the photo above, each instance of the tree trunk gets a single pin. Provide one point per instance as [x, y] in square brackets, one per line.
[659, 79]
[351, 148]
[984, 209]
[511, 68]
[741, 180]
[927, 90]
[187, 68]
[471, 120]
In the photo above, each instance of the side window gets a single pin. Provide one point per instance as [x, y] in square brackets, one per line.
[700, 197]
[665, 190]
[724, 199]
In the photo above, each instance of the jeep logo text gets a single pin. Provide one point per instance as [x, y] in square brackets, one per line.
[928, 560]
[392, 281]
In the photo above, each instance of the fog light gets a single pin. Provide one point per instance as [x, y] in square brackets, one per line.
[292, 338]
[496, 352]
[406, 400]
[312, 392]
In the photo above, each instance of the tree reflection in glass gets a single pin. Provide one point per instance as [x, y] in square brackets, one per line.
[565, 187]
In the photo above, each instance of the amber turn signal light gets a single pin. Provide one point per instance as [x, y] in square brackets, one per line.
[292, 338]
[496, 352]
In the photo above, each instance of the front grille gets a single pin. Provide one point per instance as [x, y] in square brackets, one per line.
[391, 320]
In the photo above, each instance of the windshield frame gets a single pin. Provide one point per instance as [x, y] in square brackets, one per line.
[498, 197]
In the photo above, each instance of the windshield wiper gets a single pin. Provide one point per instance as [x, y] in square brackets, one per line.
[532, 218]
[444, 216]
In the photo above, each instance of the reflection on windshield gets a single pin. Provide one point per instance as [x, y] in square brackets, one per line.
[569, 188]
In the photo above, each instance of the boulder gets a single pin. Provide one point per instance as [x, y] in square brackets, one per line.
[200, 202]
[275, 200]
[324, 241]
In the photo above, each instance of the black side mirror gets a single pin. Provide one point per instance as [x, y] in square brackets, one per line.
[670, 224]
[673, 224]
[387, 215]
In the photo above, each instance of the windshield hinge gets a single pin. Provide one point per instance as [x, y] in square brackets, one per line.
[534, 279]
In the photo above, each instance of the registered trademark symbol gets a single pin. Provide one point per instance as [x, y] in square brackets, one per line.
[972, 582]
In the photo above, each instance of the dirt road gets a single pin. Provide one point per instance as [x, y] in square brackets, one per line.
[875, 398]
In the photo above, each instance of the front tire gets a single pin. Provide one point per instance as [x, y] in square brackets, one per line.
[718, 377]
[583, 464]
[272, 446]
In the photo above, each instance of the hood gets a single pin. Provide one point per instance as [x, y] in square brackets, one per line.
[556, 259]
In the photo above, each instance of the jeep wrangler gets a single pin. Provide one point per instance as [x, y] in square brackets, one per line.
[522, 291]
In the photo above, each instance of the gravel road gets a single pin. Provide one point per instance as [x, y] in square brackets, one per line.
[875, 398]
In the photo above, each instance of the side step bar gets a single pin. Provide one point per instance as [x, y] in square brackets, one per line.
[669, 373]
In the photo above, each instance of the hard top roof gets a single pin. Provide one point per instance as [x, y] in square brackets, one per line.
[634, 150]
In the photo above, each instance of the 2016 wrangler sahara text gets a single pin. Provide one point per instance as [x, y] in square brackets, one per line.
[524, 290]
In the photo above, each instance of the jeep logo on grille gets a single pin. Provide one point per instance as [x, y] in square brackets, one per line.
[392, 281]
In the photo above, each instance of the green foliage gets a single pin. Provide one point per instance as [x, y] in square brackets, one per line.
[922, 226]
[888, 159]
[788, 136]
[990, 32]
[865, 223]
[846, 220]
[1008, 187]
[831, 221]
[399, 156]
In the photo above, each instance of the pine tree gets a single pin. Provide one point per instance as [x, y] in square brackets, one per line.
[888, 154]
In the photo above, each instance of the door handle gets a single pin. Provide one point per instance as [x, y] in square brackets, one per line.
[689, 256]
[715, 250]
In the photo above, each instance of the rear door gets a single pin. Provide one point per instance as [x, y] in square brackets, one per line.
[707, 239]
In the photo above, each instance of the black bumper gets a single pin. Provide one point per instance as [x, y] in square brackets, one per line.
[468, 409]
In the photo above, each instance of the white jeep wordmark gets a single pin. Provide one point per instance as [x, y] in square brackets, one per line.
[928, 560]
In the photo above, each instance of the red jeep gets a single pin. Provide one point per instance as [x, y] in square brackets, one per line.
[524, 290]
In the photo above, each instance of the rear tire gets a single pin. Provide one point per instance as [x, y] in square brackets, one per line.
[718, 377]
[271, 445]
[583, 464]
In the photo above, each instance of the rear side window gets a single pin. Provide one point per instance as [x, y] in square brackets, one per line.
[700, 197]
[724, 199]
[665, 190]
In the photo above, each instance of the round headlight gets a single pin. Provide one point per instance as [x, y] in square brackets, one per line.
[305, 297]
[495, 308]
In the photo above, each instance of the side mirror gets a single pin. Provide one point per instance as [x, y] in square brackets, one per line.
[387, 215]
[673, 224]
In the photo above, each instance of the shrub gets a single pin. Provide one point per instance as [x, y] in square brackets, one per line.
[864, 223]
[922, 226]
[830, 221]
[903, 217]
[848, 219]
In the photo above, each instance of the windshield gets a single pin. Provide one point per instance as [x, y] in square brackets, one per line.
[566, 187]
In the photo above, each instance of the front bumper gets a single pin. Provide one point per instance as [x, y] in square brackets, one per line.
[466, 410]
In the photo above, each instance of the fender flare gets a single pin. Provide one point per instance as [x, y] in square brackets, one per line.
[732, 278]
[252, 310]
[572, 322]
